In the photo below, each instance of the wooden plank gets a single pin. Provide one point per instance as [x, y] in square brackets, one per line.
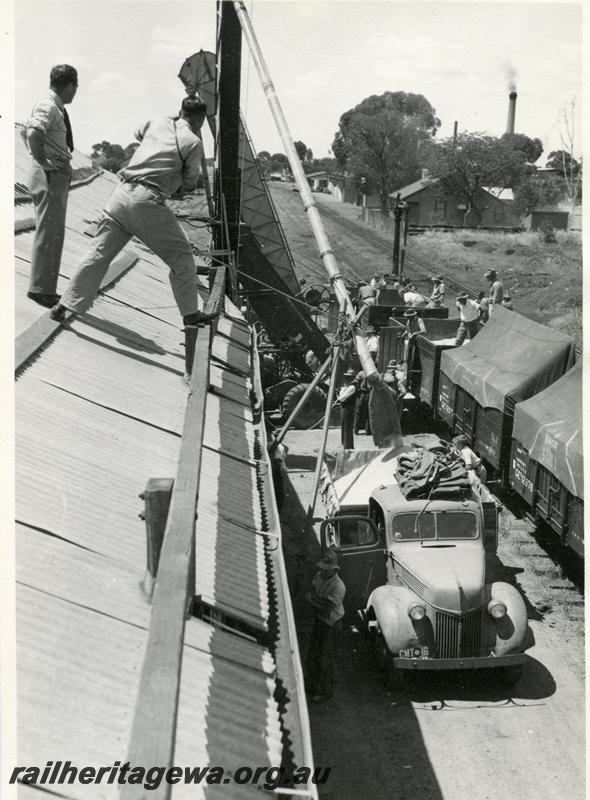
[26, 224]
[217, 294]
[153, 732]
[157, 502]
[33, 338]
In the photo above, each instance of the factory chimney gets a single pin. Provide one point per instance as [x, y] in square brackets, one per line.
[511, 112]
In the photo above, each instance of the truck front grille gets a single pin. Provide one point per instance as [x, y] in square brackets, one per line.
[458, 637]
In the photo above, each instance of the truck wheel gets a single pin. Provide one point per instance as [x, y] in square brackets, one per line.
[313, 409]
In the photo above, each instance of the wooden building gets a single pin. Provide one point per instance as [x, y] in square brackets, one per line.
[430, 205]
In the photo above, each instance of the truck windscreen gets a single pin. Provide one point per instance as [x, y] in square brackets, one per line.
[435, 525]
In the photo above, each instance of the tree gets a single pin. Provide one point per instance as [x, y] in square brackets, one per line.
[473, 162]
[379, 139]
[530, 148]
[109, 156]
[303, 151]
[572, 169]
[280, 158]
[536, 191]
[326, 164]
[264, 155]
[563, 162]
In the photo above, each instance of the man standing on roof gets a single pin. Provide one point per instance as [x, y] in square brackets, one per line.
[326, 597]
[166, 164]
[469, 314]
[48, 135]
[496, 289]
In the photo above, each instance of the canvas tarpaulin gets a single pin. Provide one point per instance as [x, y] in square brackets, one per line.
[511, 356]
[549, 425]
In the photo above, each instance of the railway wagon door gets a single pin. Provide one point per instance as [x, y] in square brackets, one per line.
[575, 526]
[446, 400]
[522, 472]
[465, 412]
[391, 345]
[551, 500]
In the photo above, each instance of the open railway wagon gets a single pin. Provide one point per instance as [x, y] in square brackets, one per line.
[511, 359]
[379, 314]
[424, 357]
[546, 463]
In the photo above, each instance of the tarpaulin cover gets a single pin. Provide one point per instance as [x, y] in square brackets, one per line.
[511, 356]
[549, 425]
[421, 473]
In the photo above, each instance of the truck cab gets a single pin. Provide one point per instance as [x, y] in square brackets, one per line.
[419, 572]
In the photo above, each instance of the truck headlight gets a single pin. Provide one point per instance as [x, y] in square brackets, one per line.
[416, 611]
[496, 609]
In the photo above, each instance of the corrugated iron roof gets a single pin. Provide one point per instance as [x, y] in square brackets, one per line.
[99, 412]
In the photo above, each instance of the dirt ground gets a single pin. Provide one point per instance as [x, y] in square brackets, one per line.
[448, 737]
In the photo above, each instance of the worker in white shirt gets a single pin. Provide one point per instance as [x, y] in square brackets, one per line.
[496, 289]
[413, 298]
[469, 314]
[437, 295]
[166, 164]
[372, 342]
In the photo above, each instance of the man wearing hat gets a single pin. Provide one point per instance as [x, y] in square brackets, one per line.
[437, 295]
[361, 413]
[347, 399]
[366, 295]
[414, 326]
[372, 341]
[469, 314]
[496, 289]
[326, 597]
[395, 378]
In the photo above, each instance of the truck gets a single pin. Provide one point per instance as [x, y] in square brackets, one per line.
[421, 574]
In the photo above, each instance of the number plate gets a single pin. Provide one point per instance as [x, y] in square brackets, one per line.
[414, 652]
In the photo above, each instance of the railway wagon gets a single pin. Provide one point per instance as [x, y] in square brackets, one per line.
[391, 343]
[424, 359]
[511, 359]
[380, 314]
[546, 463]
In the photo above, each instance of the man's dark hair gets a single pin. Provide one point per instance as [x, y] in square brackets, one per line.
[62, 75]
[192, 107]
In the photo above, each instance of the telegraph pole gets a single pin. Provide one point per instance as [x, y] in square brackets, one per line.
[397, 217]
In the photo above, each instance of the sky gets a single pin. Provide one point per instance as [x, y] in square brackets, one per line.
[324, 57]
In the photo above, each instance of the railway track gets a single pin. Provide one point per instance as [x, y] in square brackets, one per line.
[416, 268]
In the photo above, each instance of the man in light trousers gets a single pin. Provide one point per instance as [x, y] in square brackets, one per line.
[166, 164]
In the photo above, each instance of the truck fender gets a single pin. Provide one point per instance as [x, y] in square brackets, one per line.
[388, 605]
[511, 630]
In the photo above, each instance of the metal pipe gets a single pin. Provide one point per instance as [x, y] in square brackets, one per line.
[309, 203]
[325, 429]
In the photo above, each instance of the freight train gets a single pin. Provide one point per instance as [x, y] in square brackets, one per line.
[516, 393]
